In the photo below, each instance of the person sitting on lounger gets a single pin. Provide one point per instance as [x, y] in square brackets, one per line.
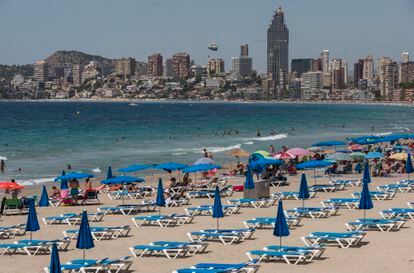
[55, 192]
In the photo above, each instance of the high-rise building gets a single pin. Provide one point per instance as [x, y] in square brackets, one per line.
[155, 65]
[387, 76]
[338, 73]
[215, 67]
[41, 71]
[301, 66]
[168, 71]
[368, 70]
[77, 71]
[278, 49]
[311, 84]
[325, 61]
[181, 65]
[244, 50]
[90, 71]
[405, 57]
[242, 66]
[406, 72]
[125, 67]
[358, 72]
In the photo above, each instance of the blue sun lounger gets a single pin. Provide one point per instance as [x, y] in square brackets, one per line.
[227, 238]
[62, 244]
[253, 202]
[326, 188]
[269, 222]
[207, 210]
[24, 248]
[202, 270]
[11, 231]
[342, 239]
[71, 218]
[383, 225]
[290, 257]
[377, 195]
[313, 212]
[316, 250]
[172, 251]
[349, 203]
[248, 267]
[405, 213]
[80, 266]
[290, 195]
[193, 247]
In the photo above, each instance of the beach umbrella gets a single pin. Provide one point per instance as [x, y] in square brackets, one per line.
[44, 199]
[134, 168]
[408, 165]
[64, 182]
[358, 156]
[314, 164]
[85, 239]
[281, 227]
[283, 155]
[339, 157]
[365, 201]
[109, 174]
[249, 183]
[10, 186]
[32, 223]
[74, 175]
[399, 156]
[262, 153]
[170, 166]
[238, 153]
[374, 155]
[298, 152]
[217, 207]
[160, 202]
[366, 176]
[303, 190]
[329, 143]
[200, 168]
[204, 160]
[54, 266]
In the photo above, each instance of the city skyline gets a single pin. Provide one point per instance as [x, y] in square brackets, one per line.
[96, 29]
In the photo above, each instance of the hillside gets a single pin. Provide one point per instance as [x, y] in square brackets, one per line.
[63, 57]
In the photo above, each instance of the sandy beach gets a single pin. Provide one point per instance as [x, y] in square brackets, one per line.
[380, 252]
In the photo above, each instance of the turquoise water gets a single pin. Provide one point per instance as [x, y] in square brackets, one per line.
[41, 138]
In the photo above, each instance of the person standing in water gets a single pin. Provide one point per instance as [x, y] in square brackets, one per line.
[258, 134]
[2, 166]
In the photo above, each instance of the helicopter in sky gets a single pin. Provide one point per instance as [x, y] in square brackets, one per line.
[212, 46]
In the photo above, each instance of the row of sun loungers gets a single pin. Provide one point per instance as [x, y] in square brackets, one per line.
[33, 247]
[72, 218]
[129, 209]
[101, 233]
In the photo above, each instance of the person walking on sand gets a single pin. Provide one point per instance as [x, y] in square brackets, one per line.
[2, 166]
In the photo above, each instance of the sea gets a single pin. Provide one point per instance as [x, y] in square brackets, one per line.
[40, 139]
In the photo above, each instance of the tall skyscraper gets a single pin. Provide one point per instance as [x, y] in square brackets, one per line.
[181, 65]
[278, 49]
[155, 65]
[406, 72]
[358, 72]
[77, 71]
[405, 56]
[242, 65]
[244, 50]
[325, 61]
[41, 71]
[301, 66]
[339, 75]
[125, 67]
[368, 71]
[387, 76]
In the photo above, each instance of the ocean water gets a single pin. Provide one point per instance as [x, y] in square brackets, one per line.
[41, 138]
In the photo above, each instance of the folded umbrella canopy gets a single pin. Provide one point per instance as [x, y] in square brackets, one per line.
[160, 201]
[85, 239]
[54, 266]
[281, 228]
[217, 207]
[63, 182]
[365, 202]
[109, 174]
[44, 199]
[303, 189]
[409, 166]
[32, 223]
[366, 176]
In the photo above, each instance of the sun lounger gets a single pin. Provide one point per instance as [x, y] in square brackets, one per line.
[11, 231]
[290, 195]
[247, 267]
[316, 250]
[383, 225]
[106, 264]
[81, 266]
[203, 270]
[313, 212]
[170, 251]
[23, 248]
[395, 188]
[346, 182]
[207, 210]
[62, 244]
[177, 200]
[227, 237]
[289, 257]
[252, 202]
[267, 222]
[377, 195]
[341, 239]
[326, 188]
[349, 203]
[193, 247]
[128, 209]
[101, 233]
[162, 220]
[406, 213]
[72, 218]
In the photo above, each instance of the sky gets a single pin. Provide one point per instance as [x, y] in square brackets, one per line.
[31, 30]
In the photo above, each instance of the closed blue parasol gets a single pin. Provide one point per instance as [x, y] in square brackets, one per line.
[160, 202]
[281, 227]
[134, 168]
[367, 176]
[217, 207]
[303, 189]
[85, 240]
[32, 223]
[365, 201]
[409, 165]
[63, 182]
[109, 174]
[54, 266]
[249, 183]
[44, 199]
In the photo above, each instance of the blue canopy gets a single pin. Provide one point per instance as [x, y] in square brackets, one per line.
[365, 201]
[54, 266]
[217, 207]
[329, 143]
[313, 164]
[303, 189]
[109, 174]
[32, 223]
[170, 166]
[85, 240]
[200, 168]
[374, 155]
[281, 228]
[265, 161]
[134, 168]
[160, 195]
[249, 183]
[63, 182]
[409, 165]
[44, 199]
[74, 175]
[367, 176]
[122, 180]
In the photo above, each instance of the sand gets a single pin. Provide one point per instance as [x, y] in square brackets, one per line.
[382, 252]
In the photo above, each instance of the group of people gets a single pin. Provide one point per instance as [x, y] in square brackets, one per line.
[73, 192]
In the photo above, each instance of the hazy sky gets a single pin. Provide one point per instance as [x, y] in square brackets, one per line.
[33, 29]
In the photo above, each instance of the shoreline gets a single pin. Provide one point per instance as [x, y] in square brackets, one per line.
[121, 100]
